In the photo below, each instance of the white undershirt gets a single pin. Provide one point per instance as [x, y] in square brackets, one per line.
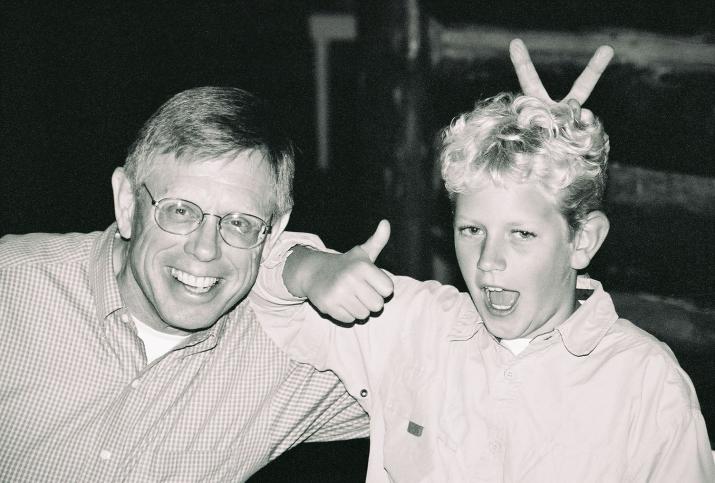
[516, 346]
[156, 343]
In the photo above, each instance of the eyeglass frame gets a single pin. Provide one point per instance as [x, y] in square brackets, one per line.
[265, 231]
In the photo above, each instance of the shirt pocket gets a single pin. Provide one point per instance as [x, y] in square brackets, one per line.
[408, 450]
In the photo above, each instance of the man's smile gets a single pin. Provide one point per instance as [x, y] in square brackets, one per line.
[194, 283]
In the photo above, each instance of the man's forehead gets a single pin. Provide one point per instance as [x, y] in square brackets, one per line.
[250, 158]
[247, 173]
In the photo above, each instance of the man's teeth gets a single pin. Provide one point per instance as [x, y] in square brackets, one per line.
[202, 284]
[501, 299]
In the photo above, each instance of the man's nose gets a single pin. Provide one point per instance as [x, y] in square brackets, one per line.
[491, 256]
[204, 243]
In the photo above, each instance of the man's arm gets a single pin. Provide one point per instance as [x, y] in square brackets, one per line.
[531, 84]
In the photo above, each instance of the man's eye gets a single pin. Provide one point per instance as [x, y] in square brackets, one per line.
[524, 235]
[180, 211]
[241, 224]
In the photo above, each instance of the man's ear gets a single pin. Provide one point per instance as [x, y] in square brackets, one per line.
[277, 229]
[123, 202]
[589, 238]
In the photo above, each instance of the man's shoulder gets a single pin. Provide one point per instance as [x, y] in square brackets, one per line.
[36, 249]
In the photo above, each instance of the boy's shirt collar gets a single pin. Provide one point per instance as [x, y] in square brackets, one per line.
[580, 333]
[468, 321]
[586, 327]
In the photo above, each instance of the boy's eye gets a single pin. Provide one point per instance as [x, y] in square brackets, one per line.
[524, 235]
[470, 231]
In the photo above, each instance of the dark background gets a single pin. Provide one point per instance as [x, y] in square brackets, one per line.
[78, 80]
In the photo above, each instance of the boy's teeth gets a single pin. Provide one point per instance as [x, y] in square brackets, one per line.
[201, 283]
[501, 299]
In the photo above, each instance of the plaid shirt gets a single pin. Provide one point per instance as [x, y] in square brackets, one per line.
[78, 401]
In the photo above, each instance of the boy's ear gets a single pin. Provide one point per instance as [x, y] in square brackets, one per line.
[277, 229]
[589, 238]
[123, 202]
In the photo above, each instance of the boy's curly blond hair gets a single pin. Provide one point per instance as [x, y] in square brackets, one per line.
[519, 138]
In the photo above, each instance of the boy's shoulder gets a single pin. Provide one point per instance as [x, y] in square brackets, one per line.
[650, 360]
[431, 299]
[624, 335]
[41, 249]
[430, 312]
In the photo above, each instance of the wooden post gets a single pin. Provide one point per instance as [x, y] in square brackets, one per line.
[393, 39]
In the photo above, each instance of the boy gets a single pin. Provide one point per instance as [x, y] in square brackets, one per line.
[532, 378]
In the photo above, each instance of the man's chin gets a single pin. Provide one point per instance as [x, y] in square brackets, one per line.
[188, 320]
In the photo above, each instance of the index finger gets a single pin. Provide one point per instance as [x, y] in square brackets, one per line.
[526, 72]
[585, 83]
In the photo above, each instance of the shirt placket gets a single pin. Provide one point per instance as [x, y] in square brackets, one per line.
[504, 392]
[135, 419]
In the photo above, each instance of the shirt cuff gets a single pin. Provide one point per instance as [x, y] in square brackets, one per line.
[270, 276]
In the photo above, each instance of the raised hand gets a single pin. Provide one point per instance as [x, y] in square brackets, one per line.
[348, 286]
[531, 84]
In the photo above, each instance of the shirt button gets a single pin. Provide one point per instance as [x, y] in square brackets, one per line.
[124, 318]
[363, 393]
[135, 383]
[494, 446]
[105, 454]
[508, 374]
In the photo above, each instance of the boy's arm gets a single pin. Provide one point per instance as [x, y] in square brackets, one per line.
[348, 286]
[343, 286]
[670, 441]
[685, 454]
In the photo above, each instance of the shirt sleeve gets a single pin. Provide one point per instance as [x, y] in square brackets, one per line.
[686, 454]
[417, 313]
[673, 444]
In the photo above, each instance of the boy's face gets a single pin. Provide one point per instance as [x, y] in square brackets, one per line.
[514, 252]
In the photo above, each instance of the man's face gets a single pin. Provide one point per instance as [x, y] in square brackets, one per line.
[514, 253]
[188, 282]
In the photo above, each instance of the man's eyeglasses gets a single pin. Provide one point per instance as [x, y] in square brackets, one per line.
[182, 217]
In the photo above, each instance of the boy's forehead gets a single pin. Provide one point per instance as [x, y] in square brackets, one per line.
[509, 200]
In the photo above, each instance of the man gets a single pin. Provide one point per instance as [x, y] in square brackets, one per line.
[134, 353]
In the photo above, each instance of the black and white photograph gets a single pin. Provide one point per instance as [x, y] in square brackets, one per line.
[345, 241]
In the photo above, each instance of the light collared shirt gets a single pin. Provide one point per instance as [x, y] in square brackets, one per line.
[596, 400]
[79, 403]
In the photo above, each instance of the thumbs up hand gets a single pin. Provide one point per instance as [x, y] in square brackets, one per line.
[348, 286]
[374, 245]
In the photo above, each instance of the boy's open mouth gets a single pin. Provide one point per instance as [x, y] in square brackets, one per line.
[500, 300]
[193, 283]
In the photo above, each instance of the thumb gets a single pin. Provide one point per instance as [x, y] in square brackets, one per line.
[374, 245]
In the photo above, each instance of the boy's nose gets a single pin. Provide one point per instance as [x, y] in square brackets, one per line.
[491, 256]
[204, 243]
